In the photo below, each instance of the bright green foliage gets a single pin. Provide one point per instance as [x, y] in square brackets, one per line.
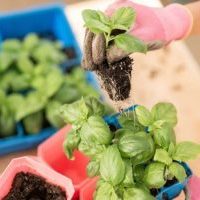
[178, 171]
[33, 85]
[136, 193]
[95, 130]
[112, 167]
[33, 123]
[185, 151]
[153, 175]
[162, 156]
[93, 168]
[130, 161]
[122, 19]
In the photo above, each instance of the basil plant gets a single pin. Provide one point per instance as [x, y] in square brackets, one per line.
[133, 161]
[33, 86]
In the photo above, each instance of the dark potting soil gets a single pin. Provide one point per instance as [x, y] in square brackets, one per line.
[116, 78]
[154, 192]
[171, 182]
[27, 186]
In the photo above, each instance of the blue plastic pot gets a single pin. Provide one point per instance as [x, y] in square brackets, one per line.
[165, 193]
[47, 21]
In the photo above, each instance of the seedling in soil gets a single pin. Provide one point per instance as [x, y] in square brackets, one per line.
[115, 28]
[134, 161]
[114, 76]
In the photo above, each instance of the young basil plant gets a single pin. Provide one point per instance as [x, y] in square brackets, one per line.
[139, 156]
[121, 20]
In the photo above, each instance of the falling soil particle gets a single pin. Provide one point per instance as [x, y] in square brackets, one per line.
[27, 186]
[116, 78]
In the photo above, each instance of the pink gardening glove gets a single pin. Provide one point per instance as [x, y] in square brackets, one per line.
[166, 24]
[194, 188]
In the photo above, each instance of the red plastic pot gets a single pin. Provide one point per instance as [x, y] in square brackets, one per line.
[34, 166]
[86, 193]
[51, 152]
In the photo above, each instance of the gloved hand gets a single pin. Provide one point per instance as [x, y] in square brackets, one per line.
[156, 26]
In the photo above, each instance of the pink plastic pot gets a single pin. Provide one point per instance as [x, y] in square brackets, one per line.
[51, 152]
[35, 166]
[88, 190]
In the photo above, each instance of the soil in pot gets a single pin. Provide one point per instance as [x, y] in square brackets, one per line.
[116, 78]
[27, 186]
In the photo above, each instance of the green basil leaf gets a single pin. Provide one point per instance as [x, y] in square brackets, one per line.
[71, 143]
[171, 149]
[122, 132]
[130, 44]
[52, 83]
[164, 137]
[128, 180]
[30, 41]
[7, 120]
[156, 125]
[89, 14]
[11, 45]
[52, 114]
[92, 150]
[138, 173]
[93, 21]
[186, 151]
[139, 147]
[66, 88]
[46, 53]
[144, 116]
[75, 113]
[93, 168]
[24, 63]
[124, 16]
[166, 112]
[106, 192]
[137, 194]
[129, 121]
[162, 156]
[154, 175]
[33, 123]
[97, 27]
[95, 130]
[178, 171]
[6, 60]
[95, 107]
[20, 82]
[112, 167]
[30, 104]
[104, 18]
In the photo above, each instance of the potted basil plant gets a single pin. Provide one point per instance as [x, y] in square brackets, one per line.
[134, 153]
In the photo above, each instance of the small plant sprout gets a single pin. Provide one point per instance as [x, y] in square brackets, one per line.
[115, 28]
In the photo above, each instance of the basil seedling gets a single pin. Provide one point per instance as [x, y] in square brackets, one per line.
[121, 20]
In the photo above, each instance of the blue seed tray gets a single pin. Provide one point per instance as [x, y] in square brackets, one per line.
[48, 21]
[168, 193]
